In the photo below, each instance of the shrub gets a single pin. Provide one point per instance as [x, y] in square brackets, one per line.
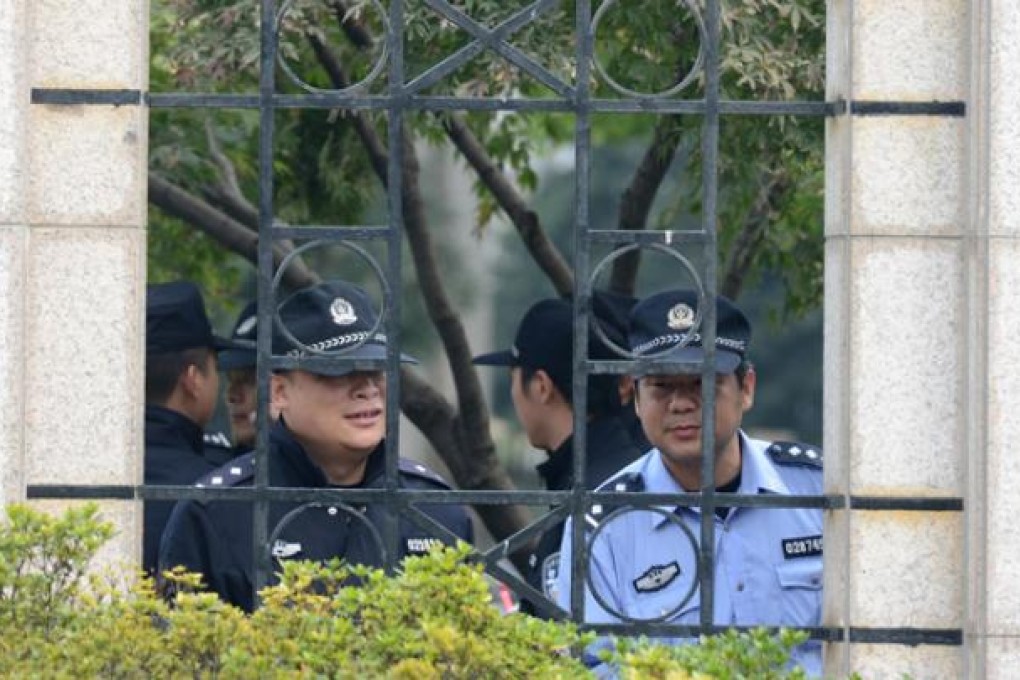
[432, 619]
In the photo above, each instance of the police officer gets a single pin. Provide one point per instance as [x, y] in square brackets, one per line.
[768, 562]
[329, 434]
[181, 388]
[541, 386]
[238, 366]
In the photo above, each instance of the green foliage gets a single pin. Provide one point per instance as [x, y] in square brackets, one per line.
[769, 50]
[754, 654]
[41, 560]
[433, 619]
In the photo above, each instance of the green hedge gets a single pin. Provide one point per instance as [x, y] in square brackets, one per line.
[434, 619]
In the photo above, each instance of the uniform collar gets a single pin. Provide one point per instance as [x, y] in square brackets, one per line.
[610, 448]
[558, 470]
[163, 425]
[297, 467]
[757, 475]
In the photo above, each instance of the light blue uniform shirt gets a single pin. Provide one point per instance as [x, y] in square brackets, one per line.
[768, 561]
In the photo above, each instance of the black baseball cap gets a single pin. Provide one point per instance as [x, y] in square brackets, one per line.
[332, 318]
[175, 319]
[545, 339]
[245, 334]
[661, 323]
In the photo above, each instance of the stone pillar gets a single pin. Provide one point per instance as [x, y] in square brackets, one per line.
[13, 237]
[993, 541]
[898, 307]
[72, 248]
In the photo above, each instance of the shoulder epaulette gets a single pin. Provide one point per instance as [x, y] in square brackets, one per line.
[218, 439]
[415, 469]
[794, 453]
[237, 471]
[628, 481]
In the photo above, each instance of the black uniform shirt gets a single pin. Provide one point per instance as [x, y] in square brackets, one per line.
[174, 456]
[610, 448]
[215, 538]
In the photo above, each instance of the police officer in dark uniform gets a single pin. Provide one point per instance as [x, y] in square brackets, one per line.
[541, 365]
[238, 367]
[181, 388]
[329, 434]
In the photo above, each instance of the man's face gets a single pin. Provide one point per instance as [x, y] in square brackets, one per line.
[670, 408]
[242, 403]
[343, 416]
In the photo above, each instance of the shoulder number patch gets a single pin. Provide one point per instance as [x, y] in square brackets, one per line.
[657, 577]
[422, 546]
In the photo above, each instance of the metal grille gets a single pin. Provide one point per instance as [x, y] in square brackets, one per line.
[402, 96]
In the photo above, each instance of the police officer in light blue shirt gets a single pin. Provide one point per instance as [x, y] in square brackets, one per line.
[768, 561]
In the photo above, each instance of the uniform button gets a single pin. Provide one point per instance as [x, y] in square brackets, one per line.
[740, 587]
[332, 510]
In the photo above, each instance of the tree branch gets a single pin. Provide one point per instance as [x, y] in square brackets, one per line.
[746, 243]
[513, 204]
[637, 199]
[223, 229]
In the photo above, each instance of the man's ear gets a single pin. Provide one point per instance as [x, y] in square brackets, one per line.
[747, 389]
[188, 380]
[277, 393]
[543, 386]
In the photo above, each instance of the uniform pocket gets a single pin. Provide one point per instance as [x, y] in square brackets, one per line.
[800, 574]
[800, 583]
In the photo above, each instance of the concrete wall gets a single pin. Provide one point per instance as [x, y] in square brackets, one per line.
[72, 251]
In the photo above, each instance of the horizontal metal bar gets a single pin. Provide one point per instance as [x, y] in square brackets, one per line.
[347, 100]
[907, 636]
[75, 97]
[665, 237]
[638, 499]
[412, 496]
[82, 491]
[895, 636]
[910, 504]
[297, 494]
[730, 107]
[956, 109]
[335, 232]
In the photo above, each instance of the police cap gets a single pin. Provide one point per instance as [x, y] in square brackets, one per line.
[661, 324]
[330, 319]
[175, 319]
[545, 338]
[244, 334]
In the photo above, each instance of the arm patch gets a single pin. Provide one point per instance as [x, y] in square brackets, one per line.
[795, 453]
